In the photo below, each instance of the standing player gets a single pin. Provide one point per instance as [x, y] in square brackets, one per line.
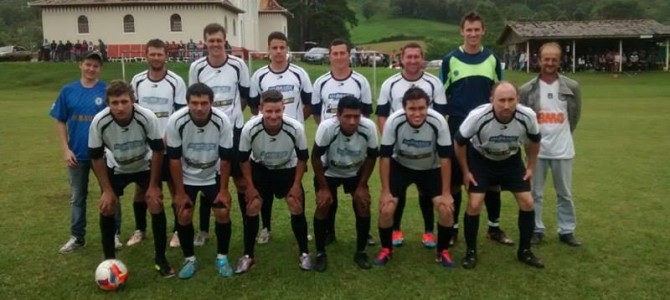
[200, 143]
[294, 84]
[128, 131]
[488, 149]
[468, 74]
[416, 148]
[273, 154]
[557, 101]
[390, 100]
[340, 82]
[163, 92]
[228, 77]
[344, 153]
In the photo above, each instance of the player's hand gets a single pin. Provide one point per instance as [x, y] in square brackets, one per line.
[154, 195]
[223, 197]
[250, 194]
[469, 179]
[182, 201]
[386, 199]
[323, 198]
[107, 203]
[529, 175]
[295, 192]
[69, 158]
[362, 195]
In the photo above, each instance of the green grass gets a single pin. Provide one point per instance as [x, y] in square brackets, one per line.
[621, 183]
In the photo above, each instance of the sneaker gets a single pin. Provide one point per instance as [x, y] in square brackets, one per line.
[537, 238]
[72, 244]
[188, 269]
[428, 240]
[527, 257]
[397, 238]
[223, 267]
[174, 241]
[371, 240]
[305, 262]
[321, 262]
[470, 259]
[569, 239]
[383, 256]
[263, 237]
[165, 270]
[244, 264]
[136, 238]
[454, 237]
[362, 260]
[201, 238]
[444, 257]
[117, 242]
[499, 236]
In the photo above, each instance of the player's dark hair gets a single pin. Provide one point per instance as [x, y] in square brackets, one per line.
[199, 89]
[411, 45]
[154, 43]
[118, 87]
[349, 102]
[337, 42]
[272, 96]
[276, 35]
[415, 93]
[472, 16]
[213, 28]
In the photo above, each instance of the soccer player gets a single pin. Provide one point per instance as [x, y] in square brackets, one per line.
[390, 100]
[339, 82]
[468, 74]
[273, 154]
[488, 149]
[557, 100]
[200, 147]
[344, 154]
[75, 107]
[415, 148]
[128, 131]
[294, 84]
[163, 92]
[228, 77]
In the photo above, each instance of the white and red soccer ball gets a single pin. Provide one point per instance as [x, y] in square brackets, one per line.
[111, 274]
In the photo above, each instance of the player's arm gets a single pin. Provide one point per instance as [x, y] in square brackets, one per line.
[533, 146]
[385, 153]
[245, 165]
[303, 155]
[225, 156]
[154, 192]
[460, 148]
[306, 94]
[254, 94]
[317, 102]
[179, 100]
[578, 111]
[96, 152]
[174, 152]
[68, 156]
[244, 85]
[445, 152]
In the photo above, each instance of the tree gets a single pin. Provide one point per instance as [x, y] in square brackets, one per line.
[319, 21]
[620, 10]
[369, 8]
[19, 24]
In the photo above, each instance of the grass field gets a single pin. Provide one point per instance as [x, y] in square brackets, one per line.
[621, 183]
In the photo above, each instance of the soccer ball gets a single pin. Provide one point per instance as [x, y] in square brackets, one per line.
[111, 274]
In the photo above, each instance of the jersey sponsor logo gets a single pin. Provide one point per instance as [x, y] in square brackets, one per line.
[338, 96]
[201, 146]
[123, 162]
[353, 165]
[456, 73]
[503, 139]
[348, 152]
[155, 100]
[417, 143]
[550, 118]
[200, 165]
[98, 101]
[221, 89]
[220, 103]
[282, 88]
[410, 155]
[274, 155]
[289, 100]
[130, 145]
[162, 114]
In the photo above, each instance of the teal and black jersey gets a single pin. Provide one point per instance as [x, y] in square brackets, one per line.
[468, 79]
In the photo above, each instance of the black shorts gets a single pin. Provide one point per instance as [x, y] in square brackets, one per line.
[235, 169]
[121, 181]
[349, 184]
[428, 182]
[507, 173]
[270, 183]
[456, 173]
[209, 192]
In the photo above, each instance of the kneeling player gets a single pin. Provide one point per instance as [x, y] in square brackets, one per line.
[273, 154]
[496, 131]
[416, 147]
[344, 153]
[128, 131]
[200, 143]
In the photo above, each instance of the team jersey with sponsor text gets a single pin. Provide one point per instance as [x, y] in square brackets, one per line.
[162, 96]
[328, 91]
[393, 89]
[293, 83]
[343, 155]
[279, 151]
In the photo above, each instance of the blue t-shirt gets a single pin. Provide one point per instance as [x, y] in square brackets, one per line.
[76, 106]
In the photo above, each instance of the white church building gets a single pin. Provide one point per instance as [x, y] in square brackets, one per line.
[126, 25]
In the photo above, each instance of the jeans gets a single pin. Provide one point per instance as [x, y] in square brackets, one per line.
[561, 172]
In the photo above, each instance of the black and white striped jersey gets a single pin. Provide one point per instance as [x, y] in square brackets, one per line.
[344, 155]
[328, 91]
[279, 151]
[162, 97]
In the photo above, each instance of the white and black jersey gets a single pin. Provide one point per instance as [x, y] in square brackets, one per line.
[199, 146]
[229, 81]
[496, 140]
[127, 147]
[279, 151]
[328, 91]
[163, 96]
[343, 155]
[393, 89]
[416, 148]
[293, 83]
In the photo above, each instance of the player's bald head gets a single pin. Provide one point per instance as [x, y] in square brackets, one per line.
[505, 87]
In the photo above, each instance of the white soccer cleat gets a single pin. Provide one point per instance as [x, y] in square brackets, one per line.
[174, 241]
[136, 238]
[201, 238]
[263, 237]
[117, 242]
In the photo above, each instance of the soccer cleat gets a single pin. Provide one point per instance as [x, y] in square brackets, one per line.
[136, 238]
[223, 267]
[397, 238]
[537, 238]
[165, 270]
[362, 260]
[470, 259]
[428, 240]
[263, 237]
[321, 262]
[569, 239]
[499, 236]
[117, 242]
[305, 262]
[444, 257]
[188, 269]
[174, 241]
[371, 240]
[383, 256]
[527, 257]
[71, 245]
[244, 264]
[201, 238]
